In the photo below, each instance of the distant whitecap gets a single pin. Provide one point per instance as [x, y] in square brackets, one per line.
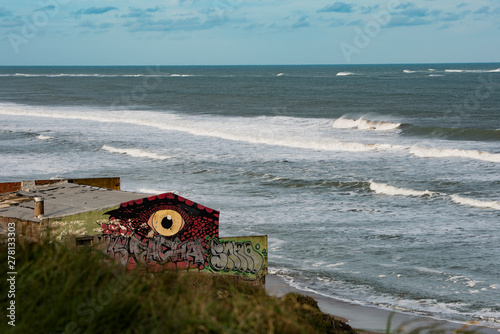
[340, 74]
[42, 137]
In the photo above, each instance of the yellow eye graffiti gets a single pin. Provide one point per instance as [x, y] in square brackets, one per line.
[167, 222]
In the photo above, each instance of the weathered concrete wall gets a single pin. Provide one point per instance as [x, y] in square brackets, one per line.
[27, 231]
[86, 223]
[102, 182]
[33, 229]
[58, 229]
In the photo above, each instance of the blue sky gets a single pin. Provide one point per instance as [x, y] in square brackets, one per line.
[231, 32]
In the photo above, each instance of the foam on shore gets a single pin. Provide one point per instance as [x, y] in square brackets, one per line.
[365, 318]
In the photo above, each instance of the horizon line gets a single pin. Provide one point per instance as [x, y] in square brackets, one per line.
[228, 65]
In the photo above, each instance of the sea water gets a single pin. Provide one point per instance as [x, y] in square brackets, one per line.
[378, 184]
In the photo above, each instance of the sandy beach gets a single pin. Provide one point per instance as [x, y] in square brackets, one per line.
[364, 318]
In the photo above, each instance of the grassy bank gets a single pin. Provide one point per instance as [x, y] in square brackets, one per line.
[60, 290]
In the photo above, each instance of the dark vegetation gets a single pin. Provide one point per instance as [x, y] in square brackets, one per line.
[61, 290]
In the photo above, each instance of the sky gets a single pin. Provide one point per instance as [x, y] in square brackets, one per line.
[256, 32]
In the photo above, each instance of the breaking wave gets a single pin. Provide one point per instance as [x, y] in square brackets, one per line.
[282, 133]
[413, 130]
[384, 188]
[376, 187]
[276, 131]
[476, 203]
[364, 124]
[136, 153]
[42, 137]
[453, 153]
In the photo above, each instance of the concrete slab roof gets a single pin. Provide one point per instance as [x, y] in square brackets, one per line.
[62, 199]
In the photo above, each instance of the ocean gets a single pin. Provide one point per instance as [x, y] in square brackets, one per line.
[376, 184]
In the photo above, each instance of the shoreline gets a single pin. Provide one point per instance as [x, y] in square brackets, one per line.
[367, 319]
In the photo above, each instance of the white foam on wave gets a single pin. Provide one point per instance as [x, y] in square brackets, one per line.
[42, 137]
[473, 71]
[316, 145]
[341, 74]
[280, 74]
[364, 124]
[409, 71]
[422, 152]
[334, 265]
[475, 203]
[311, 134]
[280, 133]
[76, 75]
[429, 270]
[384, 188]
[275, 243]
[151, 191]
[135, 152]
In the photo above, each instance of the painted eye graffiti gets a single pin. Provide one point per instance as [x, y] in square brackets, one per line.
[167, 222]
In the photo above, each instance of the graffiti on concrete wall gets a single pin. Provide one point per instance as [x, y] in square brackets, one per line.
[245, 256]
[235, 256]
[159, 253]
[169, 232]
[161, 232]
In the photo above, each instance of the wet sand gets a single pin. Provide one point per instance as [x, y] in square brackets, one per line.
[365, 318]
